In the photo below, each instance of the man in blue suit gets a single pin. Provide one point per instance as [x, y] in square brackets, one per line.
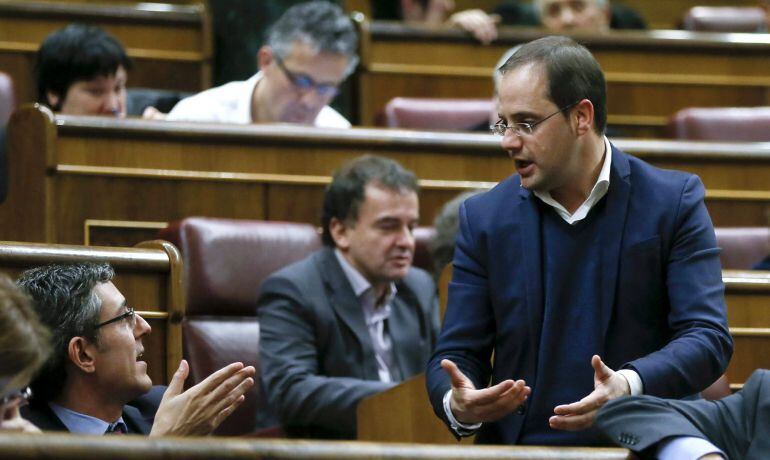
[589, 273]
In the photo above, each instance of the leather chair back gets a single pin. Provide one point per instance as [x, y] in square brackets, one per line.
[742, 247]
[725, 19]
[437, 114]
[738, 124]
[225, 262]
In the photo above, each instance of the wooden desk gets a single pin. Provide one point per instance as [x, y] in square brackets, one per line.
[115, 182]
[650, 74]
[170, 44]
[747, 295]
[70, 447]
[149, 276]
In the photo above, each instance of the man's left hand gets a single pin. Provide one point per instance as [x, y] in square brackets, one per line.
[580, 415]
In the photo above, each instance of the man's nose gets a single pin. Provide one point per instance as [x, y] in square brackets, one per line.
[567, 16]
[142, 327]
[511, 142]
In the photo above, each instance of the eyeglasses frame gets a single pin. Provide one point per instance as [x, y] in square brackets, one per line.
[521, 129]
[128, 314]
[322, 89]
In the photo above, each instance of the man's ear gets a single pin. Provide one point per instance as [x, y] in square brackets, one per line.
[584, 112]
[264, 57]
[54, 100]
[339, 233]
[81, 353]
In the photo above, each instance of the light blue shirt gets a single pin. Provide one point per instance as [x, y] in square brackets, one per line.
[375, 315]
[84, 424]
[686, 448]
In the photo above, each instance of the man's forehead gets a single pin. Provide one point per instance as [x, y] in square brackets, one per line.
[109, 295]
[526, 84]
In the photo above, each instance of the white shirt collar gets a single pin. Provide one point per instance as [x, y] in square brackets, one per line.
[597, 192]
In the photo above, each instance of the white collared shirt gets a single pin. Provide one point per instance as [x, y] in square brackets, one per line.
[597, 192]
[231, 103]
[375, 315]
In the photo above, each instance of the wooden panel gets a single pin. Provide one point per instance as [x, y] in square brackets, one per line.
[170, 44]
[747, 295]
[650, 74]
[68, 447]
[150, 277]
[76, 169]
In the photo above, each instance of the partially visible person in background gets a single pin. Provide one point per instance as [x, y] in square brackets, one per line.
[446, 223]
[24, 348]
[310, 51]
[82, 70]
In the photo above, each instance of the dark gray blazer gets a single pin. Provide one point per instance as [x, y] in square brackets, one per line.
[317, 356]
[738, 424]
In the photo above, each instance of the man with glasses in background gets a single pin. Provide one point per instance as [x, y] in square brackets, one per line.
[310, 51]
[95, 381]
[589, 273]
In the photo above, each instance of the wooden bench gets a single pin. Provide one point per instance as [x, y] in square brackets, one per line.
[97, 180]
[170, 44]
[650, 74]
[149, 275]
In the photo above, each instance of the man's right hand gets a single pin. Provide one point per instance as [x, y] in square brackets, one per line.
[199, 410]
[470, 405]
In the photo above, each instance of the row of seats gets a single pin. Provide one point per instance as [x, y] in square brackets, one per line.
[750, 124]
[226, 260]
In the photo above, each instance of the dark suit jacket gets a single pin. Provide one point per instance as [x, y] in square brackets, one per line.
[138, 414]
[738, 424]
[317, 356]
[662, 308]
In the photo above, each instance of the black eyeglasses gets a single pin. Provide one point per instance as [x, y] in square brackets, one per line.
[129, 314]
[523, 129]
[22, 396]
[305, 83]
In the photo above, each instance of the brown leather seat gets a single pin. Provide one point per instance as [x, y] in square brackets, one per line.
[225, 261]
[717, 390]
[749, 124]
[742, 247]
[437, 114]
[725, 19]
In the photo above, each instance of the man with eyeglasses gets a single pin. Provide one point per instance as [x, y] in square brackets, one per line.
[95, 381]
[588, 273]
[310, 51]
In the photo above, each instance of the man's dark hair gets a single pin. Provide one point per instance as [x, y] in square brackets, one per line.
[346, 192]
[572, 71]
[322, 25]
[65, 301]
[77, 52]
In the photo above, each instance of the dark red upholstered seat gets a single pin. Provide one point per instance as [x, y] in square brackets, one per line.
[725, 19]
[225, 262]
[749, 124]
[437, 114]
[742, 247]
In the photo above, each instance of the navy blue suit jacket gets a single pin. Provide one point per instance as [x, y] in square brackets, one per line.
[662, 307]
[138, 414]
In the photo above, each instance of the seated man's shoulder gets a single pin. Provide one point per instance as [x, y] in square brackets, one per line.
[209, 105]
